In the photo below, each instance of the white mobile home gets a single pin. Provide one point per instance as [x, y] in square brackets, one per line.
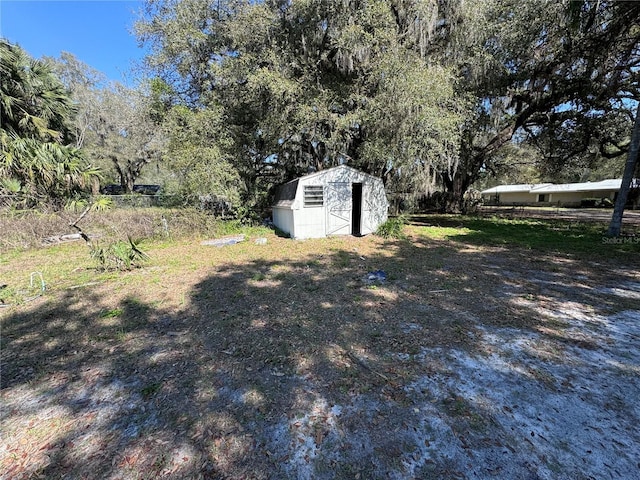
[565, 195]
[336, 201]
[520, 194]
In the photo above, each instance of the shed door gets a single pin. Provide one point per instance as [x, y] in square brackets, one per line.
[374, 207]
[338, 209]
[368, 210]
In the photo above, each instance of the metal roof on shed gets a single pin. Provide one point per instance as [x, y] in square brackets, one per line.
[286, 194]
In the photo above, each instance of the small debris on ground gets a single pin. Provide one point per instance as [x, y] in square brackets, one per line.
[379, 276]
[57, 239]
[223, 242]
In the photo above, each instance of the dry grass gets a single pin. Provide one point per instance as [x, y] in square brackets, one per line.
[25, 230]
[280, 360]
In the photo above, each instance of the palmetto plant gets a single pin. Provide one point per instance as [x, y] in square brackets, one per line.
[78, 204]
[36, 110]
[45, 169]
[33, 102]
[118, 256]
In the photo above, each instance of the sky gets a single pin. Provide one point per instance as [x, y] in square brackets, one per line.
[97, 32]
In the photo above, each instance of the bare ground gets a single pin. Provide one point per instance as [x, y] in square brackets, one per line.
[282, 361]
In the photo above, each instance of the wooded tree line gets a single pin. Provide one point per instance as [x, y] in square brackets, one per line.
[430, 95]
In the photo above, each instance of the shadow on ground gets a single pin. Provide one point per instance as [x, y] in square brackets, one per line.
[570, 237]
[307, 369]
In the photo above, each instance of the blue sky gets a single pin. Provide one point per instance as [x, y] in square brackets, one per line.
[96, 32]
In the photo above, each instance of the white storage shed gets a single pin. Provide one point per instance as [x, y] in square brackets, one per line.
[336, 201]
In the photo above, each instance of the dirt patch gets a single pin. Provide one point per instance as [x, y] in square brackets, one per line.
[280, 361]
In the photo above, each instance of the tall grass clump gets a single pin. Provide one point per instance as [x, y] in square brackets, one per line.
[393, 228]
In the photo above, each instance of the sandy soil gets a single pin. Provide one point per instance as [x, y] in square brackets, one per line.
[283, 361]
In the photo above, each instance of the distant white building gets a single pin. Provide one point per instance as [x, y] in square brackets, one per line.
[336, 201]
[565, 194]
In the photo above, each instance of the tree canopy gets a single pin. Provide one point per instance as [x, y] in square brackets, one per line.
[427, 94]
[564, 79]
[118, 126]
[311, 84]
[422, 93]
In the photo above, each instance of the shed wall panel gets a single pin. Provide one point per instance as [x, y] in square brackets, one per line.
[338, 208]
[283, 219]
[309, 222]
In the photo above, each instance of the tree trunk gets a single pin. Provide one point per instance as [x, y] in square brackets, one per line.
[457, 185]
[129, 182]
[126, 182]
[454, 200]
[627, 177]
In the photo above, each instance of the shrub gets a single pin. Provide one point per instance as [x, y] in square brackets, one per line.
[393, 228]
[118, 256]
[588, 202]
[596, 202]
[472, 201]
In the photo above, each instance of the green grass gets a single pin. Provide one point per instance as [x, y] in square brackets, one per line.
[444, 233]
[151, 389]
[393, 228]
[113, 313]
[531, 234]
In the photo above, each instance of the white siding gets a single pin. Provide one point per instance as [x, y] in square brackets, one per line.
[334, 217]
[309, 222]
[283, 219]
[518, 197]
[567, 199]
